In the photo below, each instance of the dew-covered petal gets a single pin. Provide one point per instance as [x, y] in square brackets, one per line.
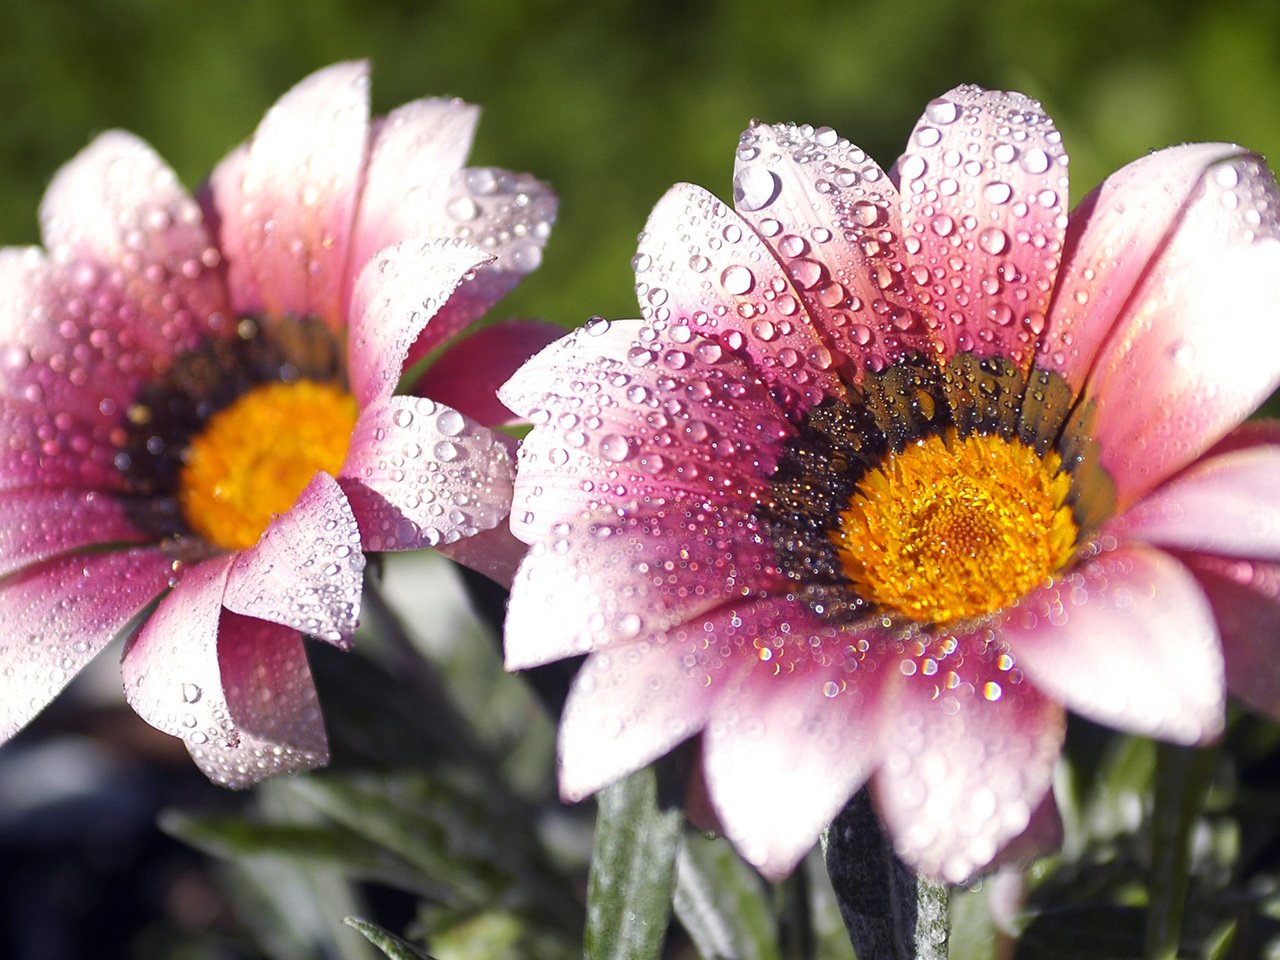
[272, 703]
[968, 756]
[55, 617]
[622, 415]
[631, 704]
[1112, 237]
[419, 474]
[224, 191]
[794, 737]
[830, 216]
[984, 201]
[1193, 353]
[242, 703]
[415, 149]
[122, 228]
[42, 447]
[397, 294]
[297, 194]
[305, 571]
[1128, 640]
[468, 372]
[1226, 504]
[496, 553]
[505, 215]
[80, 337]
[700, 265]
[1245, 596]
[36, 524]
[601, 579]
[170, 667]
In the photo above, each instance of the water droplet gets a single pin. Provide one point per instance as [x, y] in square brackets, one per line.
[942, 111]
[755, 187]
[615, 448]
[737, 280]
[911, 167]
[993, 240]
[1035, 160]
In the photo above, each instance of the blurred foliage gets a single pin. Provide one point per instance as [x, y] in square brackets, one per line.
[438, 821]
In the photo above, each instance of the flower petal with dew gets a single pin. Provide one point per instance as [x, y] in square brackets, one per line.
[899, 466]
[202, 426]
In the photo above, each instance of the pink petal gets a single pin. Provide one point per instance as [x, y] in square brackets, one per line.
[823, 207]
[305, 572]
[272, 703]
[603, 579]
[170, 669]
[969, 755]
[1127, 640]
[297, 194]
[80, 336]
[116, 220]
[467, 375]
[236, 690]
[224, 191]
[55, 617]
[701, 266]
[419, 474]
[984, 195]
[43, 448]
[692, 420]
[1112, 238]
[1227, 504]
[1191, 355]
[415, 149]
[41, 523]
[793, 737]
[396, 295]
[1246, 601]
[495, 553]
[506, 215]
[631, 704]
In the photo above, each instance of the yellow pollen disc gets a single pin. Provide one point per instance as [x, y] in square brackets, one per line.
[254, 457]
[951, 528]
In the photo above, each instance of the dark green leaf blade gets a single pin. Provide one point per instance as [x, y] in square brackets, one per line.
[632, 871]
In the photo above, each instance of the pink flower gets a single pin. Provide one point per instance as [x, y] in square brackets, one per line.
[897, 466]
[199, 413]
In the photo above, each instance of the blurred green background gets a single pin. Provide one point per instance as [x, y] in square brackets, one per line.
[614, 101]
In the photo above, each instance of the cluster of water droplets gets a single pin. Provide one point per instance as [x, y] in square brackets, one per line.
[129, 279]
[508, 215]
[983, 201]
[443, 477]
[305, 571]
[699, 264]
[637, 411]
[265, 704]
[827, 212]
[60, 615]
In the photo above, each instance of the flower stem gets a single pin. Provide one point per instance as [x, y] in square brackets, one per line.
[889, 910]
[1182, 782]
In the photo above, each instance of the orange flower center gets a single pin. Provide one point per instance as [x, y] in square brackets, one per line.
[953, 528]
[254, 457]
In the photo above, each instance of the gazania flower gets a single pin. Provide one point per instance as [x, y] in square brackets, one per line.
[200, 431]
[897, 466]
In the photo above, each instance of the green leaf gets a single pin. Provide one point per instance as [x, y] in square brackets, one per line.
[723, 904]
[1182, 780]
[632, 871]
[889, 910]
[388, 943]
[241, 840]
